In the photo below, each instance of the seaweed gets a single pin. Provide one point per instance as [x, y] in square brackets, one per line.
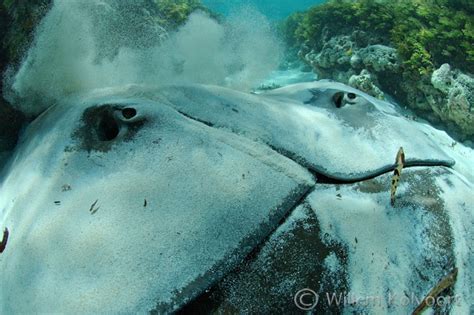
[174, 13]
[426, 33]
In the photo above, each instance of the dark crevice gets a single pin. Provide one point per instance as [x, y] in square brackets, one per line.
[253, 254]
[248, 244]
[209, 124]
[203, 301]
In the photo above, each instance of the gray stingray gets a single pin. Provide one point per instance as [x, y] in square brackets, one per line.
[330, 128]
[103, 184]
[140, 198]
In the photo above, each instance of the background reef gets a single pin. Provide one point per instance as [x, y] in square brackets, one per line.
[421, 52]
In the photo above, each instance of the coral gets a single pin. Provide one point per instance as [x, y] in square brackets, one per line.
[341, 58]
[344, 52]
[367, 83]
[458, 96]
[379, 58]
[336, 52]
[442, 78]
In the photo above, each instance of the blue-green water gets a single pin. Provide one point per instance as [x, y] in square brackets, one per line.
[275, 10]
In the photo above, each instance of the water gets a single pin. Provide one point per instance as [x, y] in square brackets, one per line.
[81, 45]
[274, 10]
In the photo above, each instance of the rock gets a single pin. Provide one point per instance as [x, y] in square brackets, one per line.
[336, 52]
[458, 97]
[356, 61]
[341, 59]
[342, 51]
[379, 58]
[442, 78]
[366, 83]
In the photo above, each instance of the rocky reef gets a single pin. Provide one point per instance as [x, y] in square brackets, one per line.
[457, 91]
[420, 53]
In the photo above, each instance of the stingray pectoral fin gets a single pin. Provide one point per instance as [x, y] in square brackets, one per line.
[212, 197]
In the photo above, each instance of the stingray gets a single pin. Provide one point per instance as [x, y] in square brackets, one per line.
[171, 188]
[329, 128]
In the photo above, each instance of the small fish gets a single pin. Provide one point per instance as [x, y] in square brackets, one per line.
[145, 203]
[3, 243]
[445, 283]
[399, 161]
[57, 202]
[92, 209]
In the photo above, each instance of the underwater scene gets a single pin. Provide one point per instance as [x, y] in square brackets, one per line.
[237, 157]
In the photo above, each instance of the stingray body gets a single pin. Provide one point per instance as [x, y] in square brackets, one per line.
[173, 192]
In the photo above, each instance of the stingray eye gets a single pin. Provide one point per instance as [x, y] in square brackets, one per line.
[341, 99]
[129, 112]
[350, 98]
